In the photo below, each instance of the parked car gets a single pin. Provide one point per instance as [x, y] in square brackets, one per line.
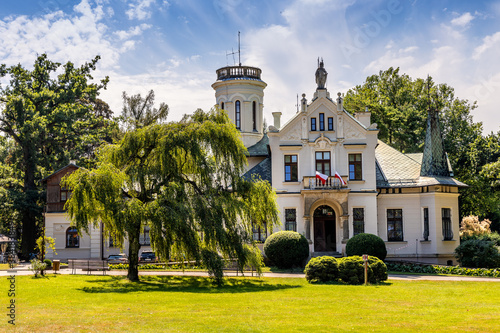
[147, 256]
[117, 259]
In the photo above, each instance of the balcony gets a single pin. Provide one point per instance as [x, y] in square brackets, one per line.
[231, 72]
[332, 183]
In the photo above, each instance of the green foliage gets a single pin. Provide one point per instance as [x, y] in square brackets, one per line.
[44, 242]
[49, 116]
[322, 269]
[366, 244]
[287, 249]
[352, 271]
[48, 263]
[37, 267]
[435, 269]
[215, 265]
[378, 268]
[478, 253]
[183, 180]
[139, 112]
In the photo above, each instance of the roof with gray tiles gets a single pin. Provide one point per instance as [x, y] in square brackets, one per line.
[260, 148]
[262, 170]
[395, 169]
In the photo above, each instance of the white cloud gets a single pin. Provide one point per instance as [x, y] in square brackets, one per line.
[140, 10]
[463, 20]
[132, 32]
[488, 42]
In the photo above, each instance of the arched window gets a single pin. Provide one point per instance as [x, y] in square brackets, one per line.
[237, 119]
[254, 116]
[72, 238]
[222, 105]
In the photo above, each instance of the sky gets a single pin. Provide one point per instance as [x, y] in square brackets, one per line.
[175, 46]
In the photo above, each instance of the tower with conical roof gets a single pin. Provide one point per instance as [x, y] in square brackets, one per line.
[239, 90]
[434, 161]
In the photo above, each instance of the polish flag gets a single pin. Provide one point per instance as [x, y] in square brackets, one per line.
[339, 178]
[322, 177]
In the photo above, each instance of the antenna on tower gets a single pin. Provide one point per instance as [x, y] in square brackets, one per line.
[233, 53]
[297, 105]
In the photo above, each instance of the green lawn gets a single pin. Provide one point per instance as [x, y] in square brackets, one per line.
[66, 303]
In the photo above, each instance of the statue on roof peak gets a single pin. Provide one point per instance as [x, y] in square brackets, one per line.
[321, 74]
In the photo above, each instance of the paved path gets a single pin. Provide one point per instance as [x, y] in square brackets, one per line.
[23, 269]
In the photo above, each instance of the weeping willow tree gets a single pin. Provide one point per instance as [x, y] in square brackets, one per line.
[183, 180]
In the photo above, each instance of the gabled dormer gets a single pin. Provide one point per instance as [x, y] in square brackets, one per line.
[57, 195]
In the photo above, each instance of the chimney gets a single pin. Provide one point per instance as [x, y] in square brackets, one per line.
[363, 117]
[277, 119]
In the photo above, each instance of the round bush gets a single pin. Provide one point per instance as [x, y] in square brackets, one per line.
[287, 249]
[366, 244]
[322, 269]
[379, 270]
[352, 271]
[478, 253]
[48, 263]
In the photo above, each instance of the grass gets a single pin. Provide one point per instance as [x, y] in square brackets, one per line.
[4, 267]
[65, 303]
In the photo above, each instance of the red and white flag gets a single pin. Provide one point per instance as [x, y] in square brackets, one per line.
[339, 178]
[322, 177]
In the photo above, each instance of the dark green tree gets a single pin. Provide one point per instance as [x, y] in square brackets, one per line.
[183, 180]
[48, 112]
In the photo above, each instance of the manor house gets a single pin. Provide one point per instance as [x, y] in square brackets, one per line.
[333, 178]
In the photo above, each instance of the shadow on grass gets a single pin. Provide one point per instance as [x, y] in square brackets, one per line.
[340, 283]
[193, 284]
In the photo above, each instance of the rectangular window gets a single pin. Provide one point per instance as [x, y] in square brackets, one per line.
[65, 194]
[446, 218]
[323, 162]
[330, 123]
[358, 220]
[313, 124]
[259, 232]
[355, 169]
[291, 219]
[238, 114]
[395, 225]
[426, 224]
[291, 168]
[321, 121]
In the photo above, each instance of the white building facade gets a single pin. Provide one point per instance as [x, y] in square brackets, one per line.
[384, 192]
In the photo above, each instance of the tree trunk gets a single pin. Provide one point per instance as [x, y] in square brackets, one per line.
[133, 255]
[30, 213]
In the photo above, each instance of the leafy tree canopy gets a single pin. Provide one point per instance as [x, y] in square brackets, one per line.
[49, 115]
[183, 180]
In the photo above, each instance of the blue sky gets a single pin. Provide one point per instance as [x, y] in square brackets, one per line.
[175, 46]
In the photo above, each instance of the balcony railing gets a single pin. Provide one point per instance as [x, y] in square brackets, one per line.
[238, 72]
[313, 183]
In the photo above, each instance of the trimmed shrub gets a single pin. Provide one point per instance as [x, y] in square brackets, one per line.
[379, 270]
[366, 244]
[322, 269]
[352, 271]
[477, 253]
[287, 249]
[48, 263]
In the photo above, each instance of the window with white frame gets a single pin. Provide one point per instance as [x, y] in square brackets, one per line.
[395, 225]
[446, 220]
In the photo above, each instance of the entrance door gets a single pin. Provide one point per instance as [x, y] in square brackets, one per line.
[324, 230]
